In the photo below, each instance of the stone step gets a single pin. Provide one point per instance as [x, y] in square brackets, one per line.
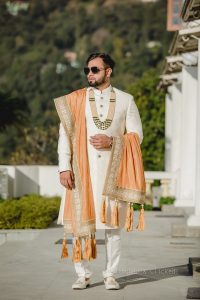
[182, 230]
[177, 210]
[196, 271]
[193, 293]
[2, 239]
[172, 210]
[194, 267]
[7, 235]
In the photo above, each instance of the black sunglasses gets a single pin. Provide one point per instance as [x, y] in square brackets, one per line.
[94, 70]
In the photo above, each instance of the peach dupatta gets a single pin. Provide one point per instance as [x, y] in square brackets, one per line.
[125, 180]
[79, 211]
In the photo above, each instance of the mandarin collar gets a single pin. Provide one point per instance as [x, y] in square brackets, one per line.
[104, 91]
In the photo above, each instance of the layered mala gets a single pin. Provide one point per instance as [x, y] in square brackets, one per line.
[103, 125]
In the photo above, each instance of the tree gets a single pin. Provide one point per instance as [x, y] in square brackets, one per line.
[38, 147]
[151, 105]
[12, 111]
[36, 41]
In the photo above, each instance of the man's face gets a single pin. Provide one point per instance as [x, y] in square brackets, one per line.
[98, 79]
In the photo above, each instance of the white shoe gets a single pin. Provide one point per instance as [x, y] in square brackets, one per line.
[81, 283]
[111, 283]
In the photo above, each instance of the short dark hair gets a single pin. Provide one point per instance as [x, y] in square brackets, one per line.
[108, 61]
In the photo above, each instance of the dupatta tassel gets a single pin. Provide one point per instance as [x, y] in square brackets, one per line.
[103, 210]
[77, 251]
[141, 224]
[115, 215]
[94, 247]
[88, 248]
[129, 217]
[64, 253]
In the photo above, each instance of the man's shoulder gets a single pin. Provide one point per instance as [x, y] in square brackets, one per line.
[122, 94]
[77, 92]
[73, 94]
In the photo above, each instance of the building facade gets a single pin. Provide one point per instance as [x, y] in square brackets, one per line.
[181, 79]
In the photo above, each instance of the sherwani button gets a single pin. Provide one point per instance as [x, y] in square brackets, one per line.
[99, 155]
[101, 105]
[101, 115]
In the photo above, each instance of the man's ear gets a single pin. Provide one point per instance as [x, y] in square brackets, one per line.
[109, 72]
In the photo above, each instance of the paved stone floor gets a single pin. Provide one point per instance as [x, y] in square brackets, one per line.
[153, 266]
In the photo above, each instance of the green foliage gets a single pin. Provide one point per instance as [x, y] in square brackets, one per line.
[151, 106]
[35, 41]
[37, 144]
[31, 211]
[138, 206]
[166, 200]
[12, 111]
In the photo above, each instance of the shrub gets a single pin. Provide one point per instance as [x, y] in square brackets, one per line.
[166, 200]
[30, 211]
[138, 206]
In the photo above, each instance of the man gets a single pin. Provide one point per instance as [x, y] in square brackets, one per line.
[100, 166]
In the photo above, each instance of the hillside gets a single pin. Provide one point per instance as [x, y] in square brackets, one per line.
[43, 50]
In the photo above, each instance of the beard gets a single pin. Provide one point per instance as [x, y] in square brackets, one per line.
[97, 83]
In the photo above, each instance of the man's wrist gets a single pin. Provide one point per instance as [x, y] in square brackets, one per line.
[63, 171]
[111, 142]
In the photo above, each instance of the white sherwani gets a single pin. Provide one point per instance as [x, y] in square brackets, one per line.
[126, 119]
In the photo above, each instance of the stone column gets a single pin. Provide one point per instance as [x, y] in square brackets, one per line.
[176, 136]
[194, 220]
[165, 187]
[168, 129]
[149, 197]
[176, 127]
[185, 197]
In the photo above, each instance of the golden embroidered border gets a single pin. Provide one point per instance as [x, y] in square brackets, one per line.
[110, 186]
[68, 124]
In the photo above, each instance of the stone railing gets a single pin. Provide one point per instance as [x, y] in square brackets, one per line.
[167, 187]
[16, 181]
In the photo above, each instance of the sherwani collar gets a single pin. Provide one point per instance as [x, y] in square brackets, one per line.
[104, 92]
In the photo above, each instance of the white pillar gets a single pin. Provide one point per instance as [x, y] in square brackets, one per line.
[176, 127]
[172, 134]
[188, 137]
[168, 129]
[194, 220]
[176, 136]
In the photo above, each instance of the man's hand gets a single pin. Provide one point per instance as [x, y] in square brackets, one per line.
[67, 179]
[100, 141]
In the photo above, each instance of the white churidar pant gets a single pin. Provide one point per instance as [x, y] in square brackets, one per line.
[113, 247]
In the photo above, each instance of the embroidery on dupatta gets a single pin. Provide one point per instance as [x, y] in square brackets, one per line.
[68, 124]
[110, 186]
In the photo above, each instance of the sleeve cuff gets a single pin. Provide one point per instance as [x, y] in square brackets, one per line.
[65, 167]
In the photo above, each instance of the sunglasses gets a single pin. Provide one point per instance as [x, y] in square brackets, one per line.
[94, 70]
